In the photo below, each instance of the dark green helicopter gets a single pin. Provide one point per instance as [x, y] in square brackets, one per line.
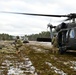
[66, 32]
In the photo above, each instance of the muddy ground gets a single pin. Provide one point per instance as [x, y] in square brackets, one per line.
[35, 58]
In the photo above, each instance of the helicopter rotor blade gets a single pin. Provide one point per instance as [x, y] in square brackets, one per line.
[47, 15]
[70, 16]
[67, 19]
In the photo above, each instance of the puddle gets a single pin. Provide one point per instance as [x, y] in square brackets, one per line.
[37, 49]
[46, 44]
[40, 50]
[14, 67]
[15, 71]
[56, 70]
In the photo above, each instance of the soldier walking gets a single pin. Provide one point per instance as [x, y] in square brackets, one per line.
[18, 45]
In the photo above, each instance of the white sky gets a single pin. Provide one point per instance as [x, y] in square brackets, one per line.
[15, 24]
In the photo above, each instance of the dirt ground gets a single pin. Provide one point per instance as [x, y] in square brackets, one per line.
[35, 58]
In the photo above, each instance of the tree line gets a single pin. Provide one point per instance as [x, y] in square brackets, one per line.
[43, 34]
[4, 36]
[32, 37]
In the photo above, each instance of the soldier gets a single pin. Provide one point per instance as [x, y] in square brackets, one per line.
[18, 44]
[54, 41]
[55, 44]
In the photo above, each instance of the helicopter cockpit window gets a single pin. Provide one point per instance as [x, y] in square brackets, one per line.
[72, 34]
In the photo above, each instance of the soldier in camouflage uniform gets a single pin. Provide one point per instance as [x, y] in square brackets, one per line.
[54, 41]
[18, 44]
[55, 44]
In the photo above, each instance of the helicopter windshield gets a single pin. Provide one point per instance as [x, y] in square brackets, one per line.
[72, 33]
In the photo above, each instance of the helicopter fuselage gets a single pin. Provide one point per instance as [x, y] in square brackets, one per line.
[67, 37]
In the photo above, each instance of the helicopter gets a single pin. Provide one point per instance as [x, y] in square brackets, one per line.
[66, 32]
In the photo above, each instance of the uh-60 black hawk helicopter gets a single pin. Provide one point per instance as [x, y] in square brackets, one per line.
[66, 32]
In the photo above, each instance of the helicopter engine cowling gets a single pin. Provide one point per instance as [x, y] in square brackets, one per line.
[61, 26]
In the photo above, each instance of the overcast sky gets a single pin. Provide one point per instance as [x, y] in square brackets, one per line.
[15, 24]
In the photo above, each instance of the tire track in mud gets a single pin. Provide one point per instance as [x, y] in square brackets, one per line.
[13, 65]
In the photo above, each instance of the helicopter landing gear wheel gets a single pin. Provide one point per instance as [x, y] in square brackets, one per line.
[62, 50]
